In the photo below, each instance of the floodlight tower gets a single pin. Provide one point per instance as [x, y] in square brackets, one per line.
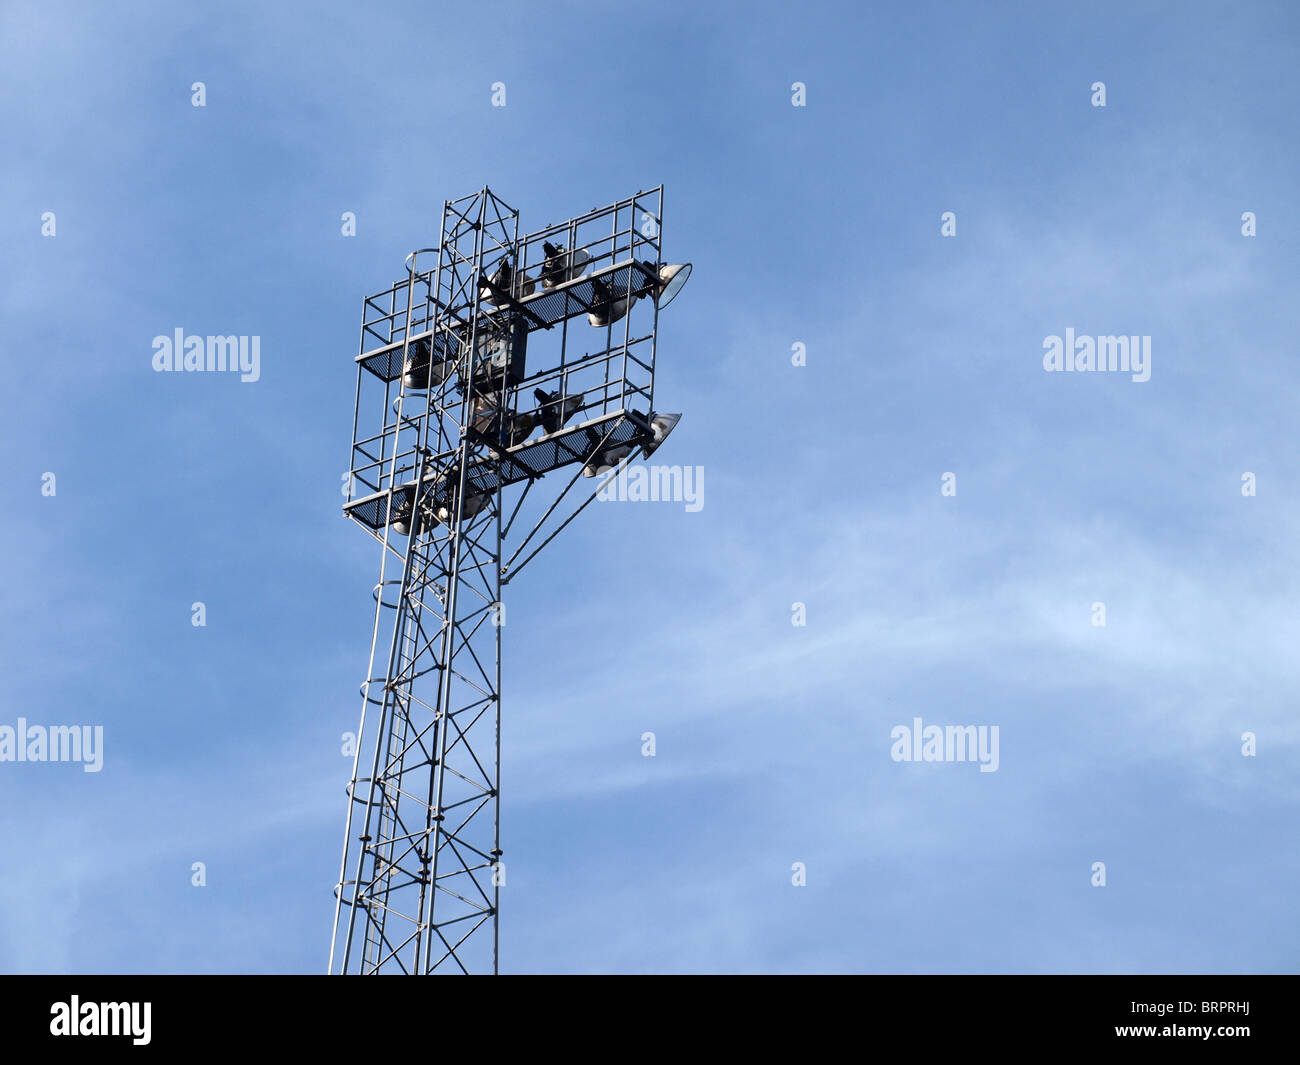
[495, 362]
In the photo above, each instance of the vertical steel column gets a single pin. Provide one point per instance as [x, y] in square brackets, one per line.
[427, 842]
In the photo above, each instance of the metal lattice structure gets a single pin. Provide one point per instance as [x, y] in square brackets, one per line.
[476, 414]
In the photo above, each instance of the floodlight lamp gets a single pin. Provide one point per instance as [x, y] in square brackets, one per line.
[660, 426]
[604, 308]
[553, 413]
[562, 265]
[420, 370]
[402, 517]
[500, 281]
[607, 459]
[671, 279]
[474, 504]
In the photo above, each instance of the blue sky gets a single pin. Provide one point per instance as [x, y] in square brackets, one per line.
[817, 225]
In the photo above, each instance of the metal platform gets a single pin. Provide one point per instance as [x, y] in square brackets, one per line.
[541, 310]
[549, 307]
[523, 462]
[386, 362]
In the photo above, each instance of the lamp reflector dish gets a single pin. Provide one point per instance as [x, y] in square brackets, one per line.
[671, 280]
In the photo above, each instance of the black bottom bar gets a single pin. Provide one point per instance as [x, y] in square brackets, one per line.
[598, 1019]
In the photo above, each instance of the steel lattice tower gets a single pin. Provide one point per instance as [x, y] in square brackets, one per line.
[462, 362]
